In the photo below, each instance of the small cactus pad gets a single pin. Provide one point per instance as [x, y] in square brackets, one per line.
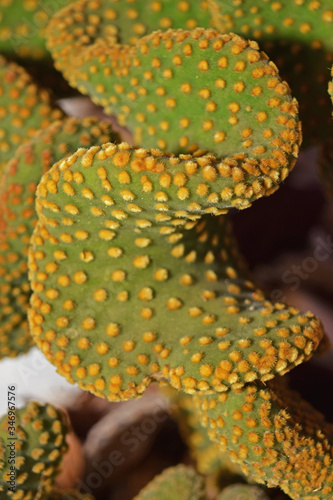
[206, 453]
[242, 492]
[178, 483]
[24, 109]
[297, 35]
[17, 201]
[36, 447]
[129, 282]
[83, 23]
[182, 91]
[277, 437]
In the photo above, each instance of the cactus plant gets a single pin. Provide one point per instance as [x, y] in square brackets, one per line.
[24, 109]
[31, 454]
[298, 37]
[133, 279]
[177, 278]
[276, 436]
[18, 183]
[182, 482]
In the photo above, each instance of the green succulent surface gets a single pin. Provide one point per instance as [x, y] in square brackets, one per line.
[22, 26]
[242, 492]
[297, 35]
[38, 448]
[277, 437]
[18, 184]
[132, 276]
[179, 483]
[24, 109]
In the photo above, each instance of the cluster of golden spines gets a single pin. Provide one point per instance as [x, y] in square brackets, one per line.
[17, 196]
[170, 269]
[24, 109]
[40, 445]
[277, 446]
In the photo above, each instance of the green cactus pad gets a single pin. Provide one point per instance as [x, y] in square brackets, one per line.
[207, 455]
[83, 23]
[297, 35]
[178, 483]
[17, 200]
[21, 27]
[128, 281]
[40, 444]
[24, 109]
[182, 91]
[277, 437]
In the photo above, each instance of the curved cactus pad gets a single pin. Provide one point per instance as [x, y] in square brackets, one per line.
[24, 109]
[277, 437]
[128, 282]
[38, 449]
[297, 35]
[83, 23]
[182, 91]
[242, 492]
[17, 200]
[179, 483]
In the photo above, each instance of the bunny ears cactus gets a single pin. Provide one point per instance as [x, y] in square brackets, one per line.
[18, 184]
[40, 444]
[171, 296]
